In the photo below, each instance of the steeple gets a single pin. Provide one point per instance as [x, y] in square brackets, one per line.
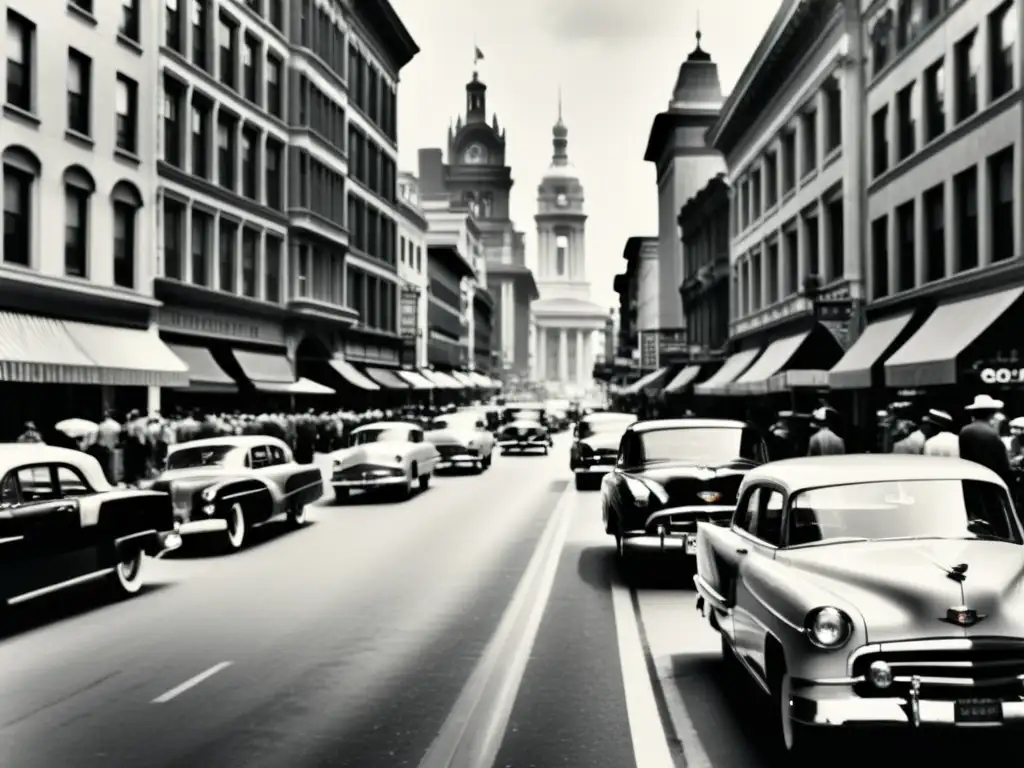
[560, 138]
[476, 100]
[697, 86]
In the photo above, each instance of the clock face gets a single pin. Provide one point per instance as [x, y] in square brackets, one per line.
[562, 200]
[475, 154]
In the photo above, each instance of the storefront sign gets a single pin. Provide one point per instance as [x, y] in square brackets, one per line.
[220, 326]
[410, 316]
[1002, 375]
[648, 349]
[836, 315]
[673, 343]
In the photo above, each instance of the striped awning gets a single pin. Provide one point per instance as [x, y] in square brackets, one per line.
[463, 379]
[415, 379]
[267, 372]
[204, 375]
[481, 381]
[354, 376]
[386, 378]
[439, 379]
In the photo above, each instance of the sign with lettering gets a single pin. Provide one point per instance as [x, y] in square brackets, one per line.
[1002, 375]
[673, 342]
[220, 325]
[409, 317]
[648, 349]
[836, 315]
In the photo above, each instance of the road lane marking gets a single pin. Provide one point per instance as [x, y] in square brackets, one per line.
[192, 682]
[650, 742]
[475, 728]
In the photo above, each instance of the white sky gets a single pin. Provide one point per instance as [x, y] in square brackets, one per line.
[616, 61]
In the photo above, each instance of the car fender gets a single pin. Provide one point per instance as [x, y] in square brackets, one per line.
[252, 492]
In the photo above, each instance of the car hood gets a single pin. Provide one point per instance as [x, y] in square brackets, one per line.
[451, 436]
[193, 477]
[387, 454]
[662, 471]
[902, 590]
[603, 441]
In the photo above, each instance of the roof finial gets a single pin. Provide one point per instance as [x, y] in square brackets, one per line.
[559, 103]
[698, 29]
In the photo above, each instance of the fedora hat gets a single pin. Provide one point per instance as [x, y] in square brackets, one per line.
[940, 419]
[985, 403]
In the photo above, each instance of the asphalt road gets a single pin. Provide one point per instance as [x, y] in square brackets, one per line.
[369, 638]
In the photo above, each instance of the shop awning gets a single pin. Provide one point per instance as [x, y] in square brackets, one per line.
[415, 379]
[734, 366]
[127, 357]
[353, 375]
[387, 379]
[929, 358]
[482, 381]
[266, 371]
[649, 381]
[204, 375]
[39, 350]
[853, 371]
[754, 381]
[441, 380]
[310, 387]
[464, 379]
[683, 379]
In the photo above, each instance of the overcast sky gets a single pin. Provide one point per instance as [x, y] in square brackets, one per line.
[616, 62]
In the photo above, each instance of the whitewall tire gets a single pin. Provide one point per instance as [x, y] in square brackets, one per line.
[127, 576]
[236, 531]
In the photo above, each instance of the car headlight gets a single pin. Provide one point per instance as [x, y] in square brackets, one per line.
[642, 490]
[209, 493]
[828, 628]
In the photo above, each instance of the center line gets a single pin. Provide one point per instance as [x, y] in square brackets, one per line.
[192, 682]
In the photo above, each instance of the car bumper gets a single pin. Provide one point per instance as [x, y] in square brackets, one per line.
[153, 543]
[369, 484]
[534, 442]
[666, 527]
[457, 460]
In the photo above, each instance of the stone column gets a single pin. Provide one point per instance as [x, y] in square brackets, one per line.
[563, 356]
[581, 356]
[540, 355]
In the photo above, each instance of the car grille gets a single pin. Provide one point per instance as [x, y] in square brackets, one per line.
[447, 451]
[365, 472]
[992, 668]
[521, 431]
[683, 492]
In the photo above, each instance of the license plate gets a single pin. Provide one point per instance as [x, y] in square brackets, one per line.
[691, 543]
[978, 711]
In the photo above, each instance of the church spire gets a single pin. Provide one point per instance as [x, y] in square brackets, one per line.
[560, 140]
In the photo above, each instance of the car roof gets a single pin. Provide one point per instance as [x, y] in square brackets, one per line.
[237, 441]
[817, 471]
[387, 425]
[30, 453]
[607, 416]
[658, 424]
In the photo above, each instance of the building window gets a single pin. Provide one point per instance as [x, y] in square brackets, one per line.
[202, 228]
[274, 159]
[881, 42]
[773, 273]
[174, 221]
[935, 233]
[272, 270]
[79, 81]
[935, 100]
[837, 266]
[906, 243]
[965, 196]
[909, 22]
[124, 243]
[966, 65]
[172, 123]
[1002, 41]
[274, 86]
[906, 121]
[788, 161]
[813, 244]
[791, 243]
[250, 57]
[200, 34]
[250, 162]
[833, 116]
[809, 124]
[227, 35]
[880, 257]
[172, 25]
[127, 114]
[250, 249]
[561, 254]
[78, 188]
[226, 266]
[755, 195]
[17, 214]
[200, 138]
[880, 141]
[275, 12]
[226, 153]
[1000, 175]
[20, 37]
[129, 24]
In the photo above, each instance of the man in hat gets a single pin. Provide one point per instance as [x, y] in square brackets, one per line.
[825, 442]
[980, 441]
[31, 434]
[938, 428]
[914, 442]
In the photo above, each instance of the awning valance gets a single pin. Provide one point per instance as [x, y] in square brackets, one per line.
[353, 375]
[734, 366]
[929, 358]
[300, 387]
[464, 379]
[39, 350]
[266, 371]
[683, 379]
[415, 379]
[386, 378]
[644, 382]
[441, 380]
[204, 375]
[853, 371]
[754, 381]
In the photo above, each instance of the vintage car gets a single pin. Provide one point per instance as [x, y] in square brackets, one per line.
[384, 456]
[462, 439]
[671, 474]
[525, 433]
[868, 590]
[229, 485]
[595, 446]
[513, 411]
[62, 524]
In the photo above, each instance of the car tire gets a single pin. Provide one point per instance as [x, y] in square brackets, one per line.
[296, 514]
[234, 536]
[797, 744]
[341, 496]
[126, 580]
[581, 484]
[424, 482]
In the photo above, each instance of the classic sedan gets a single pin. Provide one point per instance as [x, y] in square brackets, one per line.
[384, 456]
[595, 446]
[229, 485]
[463, 440]
[871, 591]
[525, 433]
[62, 524]
[671, 474]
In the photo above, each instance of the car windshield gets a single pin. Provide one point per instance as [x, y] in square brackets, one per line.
[700, 445]
[382, 435]
[524, 415]
[927, 509]
[605, 425]
[205, 456]
[458, 421]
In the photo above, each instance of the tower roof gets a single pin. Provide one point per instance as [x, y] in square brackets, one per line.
[560, 167]
[697, 86]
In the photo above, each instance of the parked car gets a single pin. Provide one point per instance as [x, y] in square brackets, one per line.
[525, 433]
[870, 591]
[514, 411]
[384, 456]
[462, 439]
[62, 524]
[595, 446]
[671, 474]
[230, 485]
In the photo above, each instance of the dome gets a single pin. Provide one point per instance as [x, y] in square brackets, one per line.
[566, 171]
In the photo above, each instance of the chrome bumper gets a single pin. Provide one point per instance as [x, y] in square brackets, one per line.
[462, 458]
[370, 483]
[830, 710]
[534, 442]
[170, 540]
[656, 518]
[596, 469]
[210, 525]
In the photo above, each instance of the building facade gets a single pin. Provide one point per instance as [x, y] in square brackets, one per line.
[567, 321]
[704, 224]
[412, 270]
[77, 313]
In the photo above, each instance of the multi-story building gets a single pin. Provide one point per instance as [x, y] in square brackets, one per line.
[412, 270]
[791, 135]
[76, 271]
[945, 210]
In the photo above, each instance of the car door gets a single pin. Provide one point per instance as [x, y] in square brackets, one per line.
[721, 564]
[761, 540]
[425, 453]
[613, 485]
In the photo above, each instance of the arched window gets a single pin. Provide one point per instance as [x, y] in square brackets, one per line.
[488, 206]
[561, 254]
[78, 189]
[126, 200]
[21, 169]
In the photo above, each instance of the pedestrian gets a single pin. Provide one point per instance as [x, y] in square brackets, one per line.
[938, 427]
[980, 441]
[825, 442]
[31, 434]
[912, 443]
[107, 437]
